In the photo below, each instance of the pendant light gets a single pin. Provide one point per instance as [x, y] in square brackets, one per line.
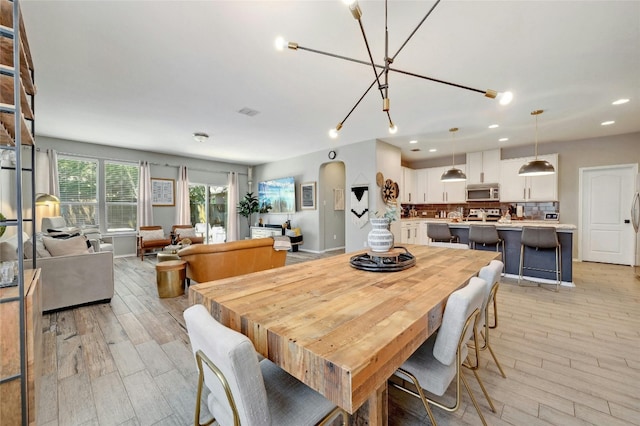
[453, 174]
[536, 167]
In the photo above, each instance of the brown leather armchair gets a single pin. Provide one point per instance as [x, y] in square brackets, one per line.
[148, 244]
[194, 239]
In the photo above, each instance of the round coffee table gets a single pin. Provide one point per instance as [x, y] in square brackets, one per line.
[164, 256]
[170, 277]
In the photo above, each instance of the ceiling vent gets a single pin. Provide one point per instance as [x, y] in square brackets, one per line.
[248, 111]
[415, 149]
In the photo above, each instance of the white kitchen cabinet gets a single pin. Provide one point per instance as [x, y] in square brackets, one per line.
[422, 186]
[532, 188]
[439, 192]
[409, 230]
[408, 186]
[483, 166]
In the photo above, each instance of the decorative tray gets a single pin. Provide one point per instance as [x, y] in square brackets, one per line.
[396, 259]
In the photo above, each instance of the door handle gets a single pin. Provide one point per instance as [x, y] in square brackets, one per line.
[627, 221]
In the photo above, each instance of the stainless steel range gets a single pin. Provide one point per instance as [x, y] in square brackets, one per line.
[490, 215]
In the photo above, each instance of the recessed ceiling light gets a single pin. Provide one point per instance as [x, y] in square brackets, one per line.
[494, 126]
[620, 101]
[607, 123]
[248, 111]
[432, 150]
[503, 139]
[413, 141]
[200, 136]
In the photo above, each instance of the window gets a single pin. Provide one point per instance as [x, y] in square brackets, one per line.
[98, 192]
[121, 196]
[78, 180]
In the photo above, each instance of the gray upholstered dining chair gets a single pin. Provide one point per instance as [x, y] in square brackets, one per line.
[243, 390]
[485, 234]
[440, 233]
[541, 237]
[439, 361]
[491, 275]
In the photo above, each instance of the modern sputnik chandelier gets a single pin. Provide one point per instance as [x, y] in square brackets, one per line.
[381, 72]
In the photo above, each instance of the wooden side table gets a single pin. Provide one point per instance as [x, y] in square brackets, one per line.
[170, 276]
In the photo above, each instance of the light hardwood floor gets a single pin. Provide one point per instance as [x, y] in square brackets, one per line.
[571, 358]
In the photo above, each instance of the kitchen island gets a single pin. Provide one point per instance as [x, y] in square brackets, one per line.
[510, 233]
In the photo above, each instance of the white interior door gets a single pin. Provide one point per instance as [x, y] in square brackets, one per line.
[607, 193]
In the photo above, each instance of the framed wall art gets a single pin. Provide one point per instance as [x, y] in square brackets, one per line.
[308, 196]
[163, 192]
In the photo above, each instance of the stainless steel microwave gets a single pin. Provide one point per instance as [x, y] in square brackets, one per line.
[483, 192]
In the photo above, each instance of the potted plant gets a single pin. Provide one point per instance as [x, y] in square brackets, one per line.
[248, 206]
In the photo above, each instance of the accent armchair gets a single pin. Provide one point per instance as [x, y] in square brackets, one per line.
[151, 238]
[187, 231]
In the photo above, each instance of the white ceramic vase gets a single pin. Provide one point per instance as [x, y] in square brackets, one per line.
[380, 239]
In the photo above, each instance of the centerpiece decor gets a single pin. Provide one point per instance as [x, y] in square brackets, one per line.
[380, 238]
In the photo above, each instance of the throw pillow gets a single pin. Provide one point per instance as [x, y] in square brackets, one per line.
[9, 247]
[186, 232]
[154, 234]
[71, 246]
[41, 250]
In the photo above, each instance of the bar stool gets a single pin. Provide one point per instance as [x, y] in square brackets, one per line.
[440, 233]
[541, 238]
[485, 234]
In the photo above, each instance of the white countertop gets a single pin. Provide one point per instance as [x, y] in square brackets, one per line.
[515, 224]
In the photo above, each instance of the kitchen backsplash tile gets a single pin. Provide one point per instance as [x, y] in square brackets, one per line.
[531, 210]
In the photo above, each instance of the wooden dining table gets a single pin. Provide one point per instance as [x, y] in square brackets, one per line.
[340, 330]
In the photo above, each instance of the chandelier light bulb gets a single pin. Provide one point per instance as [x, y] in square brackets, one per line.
[280, 43]
[505, 98]
[333, 134]
[393, 129]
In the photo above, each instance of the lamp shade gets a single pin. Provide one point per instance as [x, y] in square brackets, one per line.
[46, 199]
[453, 175]
[536, 168]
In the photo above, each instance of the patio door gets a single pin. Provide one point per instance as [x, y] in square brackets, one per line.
[209, 210]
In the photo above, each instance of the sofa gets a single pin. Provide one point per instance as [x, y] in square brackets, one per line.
[77, 278]
[73, 280]
[209, 262]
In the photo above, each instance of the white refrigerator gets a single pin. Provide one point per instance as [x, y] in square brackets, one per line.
[635, 220]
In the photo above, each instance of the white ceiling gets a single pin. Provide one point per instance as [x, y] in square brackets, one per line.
[147, 74]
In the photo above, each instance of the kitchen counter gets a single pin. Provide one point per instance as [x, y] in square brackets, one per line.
[517, 224]
[510, 233]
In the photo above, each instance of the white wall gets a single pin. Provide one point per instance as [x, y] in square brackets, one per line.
[361, 162]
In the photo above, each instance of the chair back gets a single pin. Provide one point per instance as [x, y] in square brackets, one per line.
[439, 232]
[483, 234]
[234, 355]
[539, 237]
[455, 329]
[491, 274]
[53, 222]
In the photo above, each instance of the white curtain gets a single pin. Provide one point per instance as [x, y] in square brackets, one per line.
[232, 200]
[183, 209]
[54, 187]
[145, 212]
